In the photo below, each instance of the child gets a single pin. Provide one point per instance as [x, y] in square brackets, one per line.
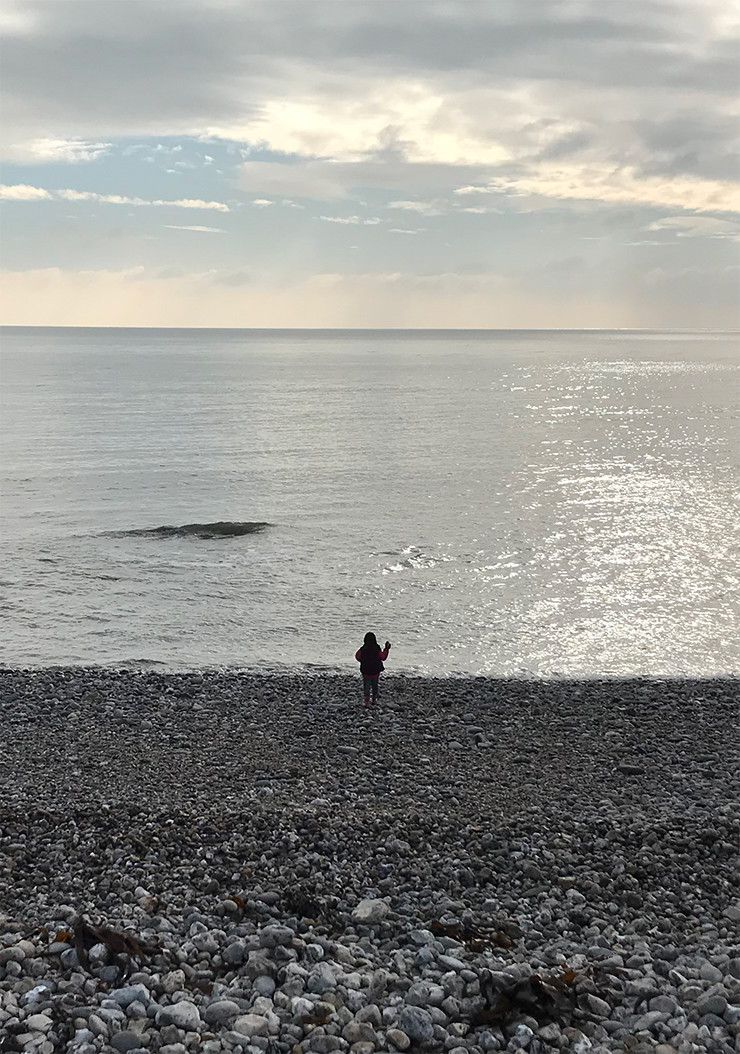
[370, 658]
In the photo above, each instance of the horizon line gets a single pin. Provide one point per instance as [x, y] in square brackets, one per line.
[392, 329]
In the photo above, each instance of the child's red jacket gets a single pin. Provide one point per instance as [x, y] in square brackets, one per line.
[372, 665]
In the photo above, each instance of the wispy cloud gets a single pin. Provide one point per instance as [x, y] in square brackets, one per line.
[610, 184]
[424, 208]
[21, 192]
[697, 226]
[50, 150]
[370, 221]
[207, 230]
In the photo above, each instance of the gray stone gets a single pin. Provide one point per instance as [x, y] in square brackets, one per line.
[264, 985]
[732, 913]
[251, 1025]
[259, 962]
[221, 1012]
[358, 1032]
[370, 912]
[233, 954]
[417, 1024]
[711, 1004]
[125, 996]
[664, 1003]
[272, 936]
[646, 1021]
[598, 1007]
[38, 1022]
[398, 1038]
[183, 1015]
[711, 973]
[371, 1014]
[125, 1041]
[321, 979]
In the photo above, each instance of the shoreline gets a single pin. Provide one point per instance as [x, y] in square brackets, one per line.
[500, 828]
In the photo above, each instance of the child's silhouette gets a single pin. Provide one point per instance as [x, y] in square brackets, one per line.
[370, 658]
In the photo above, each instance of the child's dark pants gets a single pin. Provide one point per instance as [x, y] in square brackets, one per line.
[370, 685]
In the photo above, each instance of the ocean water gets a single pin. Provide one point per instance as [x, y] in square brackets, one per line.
[549, 503]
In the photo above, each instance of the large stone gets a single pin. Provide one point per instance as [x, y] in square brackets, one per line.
[173, 981]
[273, 936]
[358, 1032]
[125, 1041]
[259, 962]
[370, 912]
[130, 994]
[251, 1025]
[38, 1022]
[221, 1012]
[398, 1038]
[417, 1024]
[183, 1015]
[321, 979]
[711, 1004]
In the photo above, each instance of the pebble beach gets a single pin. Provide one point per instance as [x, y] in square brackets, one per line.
[213, 861]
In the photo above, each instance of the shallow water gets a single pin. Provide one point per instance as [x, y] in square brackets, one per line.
[492, 502]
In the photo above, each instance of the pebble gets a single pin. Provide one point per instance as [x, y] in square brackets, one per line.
[299, 893]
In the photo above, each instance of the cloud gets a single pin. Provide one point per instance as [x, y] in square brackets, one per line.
[22, 192]
[697, 226]
[404, 230]
[207, 230]
[424, 208]
[262, 202]
[610, 185]
[370, 221]
[548, 99]
[51, 150]
[26, 193]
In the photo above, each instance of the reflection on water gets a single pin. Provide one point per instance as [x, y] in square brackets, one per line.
[552, 503]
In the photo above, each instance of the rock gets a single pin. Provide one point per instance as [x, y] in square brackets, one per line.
[732, 913]
[321, 979]
[417, 1024]
[125, 1041]
[371, 1014]
[358, 1031]
[251, 1025]
[711, 1004]
[709, 972]
[125, 996]
[174, 981]
[273, 936]
[183, 1015]
[371, 912]
[598, 1007]
[38, 1022]
[221, 1012]
[646, 1021]
[398, 1038]
[630, 770]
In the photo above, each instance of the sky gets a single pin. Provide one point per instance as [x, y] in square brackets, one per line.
[369, 163]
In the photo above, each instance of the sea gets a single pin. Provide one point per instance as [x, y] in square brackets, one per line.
[509, 503]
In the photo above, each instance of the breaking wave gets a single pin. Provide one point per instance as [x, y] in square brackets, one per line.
[219, 529]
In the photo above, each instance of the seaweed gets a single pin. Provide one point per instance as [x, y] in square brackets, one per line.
[546, 997]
